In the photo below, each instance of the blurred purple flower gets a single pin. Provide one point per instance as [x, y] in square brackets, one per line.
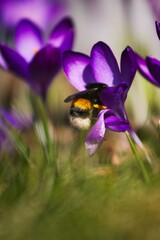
[13, 119]
[102, 67]
[155, 7]
[42, 12]
[150, 67]
[34, 60]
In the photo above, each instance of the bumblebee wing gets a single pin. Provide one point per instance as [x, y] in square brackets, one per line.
[92, 88]
[95, 86]
[82, 94]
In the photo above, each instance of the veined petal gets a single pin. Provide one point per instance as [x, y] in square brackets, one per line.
[104, 64]
[116, 124]
[14, 62]
[43, 67]
[154, 68]
[158, 28]
[96, 134]
[128, 66]
[77, 69]
[28, 39]
[62, 35]
[143, 69]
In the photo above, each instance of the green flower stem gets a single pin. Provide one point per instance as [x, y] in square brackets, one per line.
[41, 115]
[139, 160]
[140, 145]
[158, 129]
[16, 140]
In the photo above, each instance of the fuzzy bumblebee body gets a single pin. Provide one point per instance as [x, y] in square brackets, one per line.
[85, 105]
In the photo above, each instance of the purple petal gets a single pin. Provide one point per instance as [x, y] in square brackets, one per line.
[158, 28]
[143, 69]
[114, 98]
[42, 12]
[77, 69]
[116, 124]
[104, 64]
[63, 34]
[15, 119]
[28, 39]
[14, 62]
[128, 66]
[96, 134]
[154, 68]
[43, 67]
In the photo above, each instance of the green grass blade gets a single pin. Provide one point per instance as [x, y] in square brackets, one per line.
[17, 141]
[139, 160]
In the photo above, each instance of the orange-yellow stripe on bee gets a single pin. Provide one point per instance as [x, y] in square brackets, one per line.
[82, 103]
[100, 107]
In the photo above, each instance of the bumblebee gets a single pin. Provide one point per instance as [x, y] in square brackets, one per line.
[86, 105]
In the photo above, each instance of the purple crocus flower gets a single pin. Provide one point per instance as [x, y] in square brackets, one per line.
[42, 12]
[102, 67]
[150, 67]
[35, 60]
[155, 7]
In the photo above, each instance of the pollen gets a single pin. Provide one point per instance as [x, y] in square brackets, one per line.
[100, 107]
[35, 51]
[82, 103]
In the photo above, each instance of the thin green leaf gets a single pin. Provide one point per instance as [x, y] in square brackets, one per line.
[139, 160]
[16, 140]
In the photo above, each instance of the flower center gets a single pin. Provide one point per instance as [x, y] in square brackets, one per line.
[99, 107]
[35, 51]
